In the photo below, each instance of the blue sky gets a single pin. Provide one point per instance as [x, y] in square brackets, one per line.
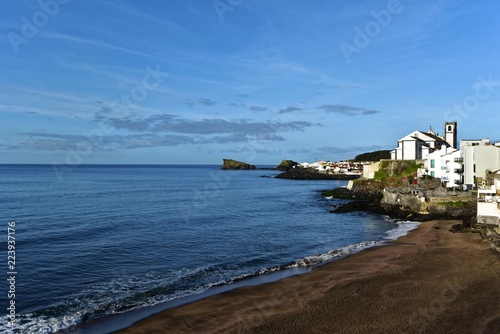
[196, 81]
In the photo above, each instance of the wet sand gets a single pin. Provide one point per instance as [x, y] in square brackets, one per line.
[430, 281]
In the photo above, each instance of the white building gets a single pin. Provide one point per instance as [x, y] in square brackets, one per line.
[445, 164]
[370, 170]
[488, 200]
[479, 156]
[418, 145]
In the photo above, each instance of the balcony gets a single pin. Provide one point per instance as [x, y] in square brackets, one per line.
[458, 170]
[458, 159]
[486, 190]
[444, 168]
[488, 199]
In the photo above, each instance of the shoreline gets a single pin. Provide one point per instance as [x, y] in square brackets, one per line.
[430, 279]
[120, 321]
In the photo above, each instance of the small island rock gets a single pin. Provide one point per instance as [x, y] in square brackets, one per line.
[229, 164]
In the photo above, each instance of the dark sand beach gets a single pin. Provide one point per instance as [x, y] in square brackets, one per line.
[430, 281]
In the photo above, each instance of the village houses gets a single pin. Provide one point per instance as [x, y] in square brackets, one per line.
[474, 165]
[457, 167]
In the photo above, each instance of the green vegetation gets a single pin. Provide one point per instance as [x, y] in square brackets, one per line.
[373, 156]
[412, 168]
[286, 165]
[456, 204]
[381, 175]
[397, 173]
[384, 164]
[234, 164]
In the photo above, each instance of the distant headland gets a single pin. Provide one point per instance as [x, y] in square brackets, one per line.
[293, 170]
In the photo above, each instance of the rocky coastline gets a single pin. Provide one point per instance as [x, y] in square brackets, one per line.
[370, 200]
[306, 174]
[290, 170]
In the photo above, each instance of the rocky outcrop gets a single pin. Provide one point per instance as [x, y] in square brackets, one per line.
[306, 174]
[229, 164]
[435, 202]
[286, 165]
[356, 194]
[493, 236]
[405, 203]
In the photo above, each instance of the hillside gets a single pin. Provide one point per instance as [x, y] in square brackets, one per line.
[373, 156]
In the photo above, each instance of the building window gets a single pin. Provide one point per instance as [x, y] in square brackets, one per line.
[432, 164]
[432, 173]
[474, 168]
[449, 127]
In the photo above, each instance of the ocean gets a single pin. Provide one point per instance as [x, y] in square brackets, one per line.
[105, 245]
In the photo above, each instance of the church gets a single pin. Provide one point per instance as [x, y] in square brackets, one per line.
[418, 145]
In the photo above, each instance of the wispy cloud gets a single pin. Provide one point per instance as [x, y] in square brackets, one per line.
[55, 142]
[202, 101]
[89, 42]
[290, 110]
[253, 150]
[257, 108]
[6, 145]
[346, 110]
[162, 130]
[299, 151]
[175, 124]
[369, 112]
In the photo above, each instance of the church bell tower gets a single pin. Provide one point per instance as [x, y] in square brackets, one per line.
[450, 130]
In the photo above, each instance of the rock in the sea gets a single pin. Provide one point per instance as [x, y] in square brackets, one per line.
[286, 165]
[233, 164]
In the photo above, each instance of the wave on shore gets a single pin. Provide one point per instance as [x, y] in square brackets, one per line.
[403, 227]
[129, 293]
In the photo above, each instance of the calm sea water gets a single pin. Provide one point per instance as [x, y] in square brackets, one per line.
[106, 240]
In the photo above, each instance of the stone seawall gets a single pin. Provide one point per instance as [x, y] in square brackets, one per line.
[412, 202]
[449, 204]
[416, 203]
